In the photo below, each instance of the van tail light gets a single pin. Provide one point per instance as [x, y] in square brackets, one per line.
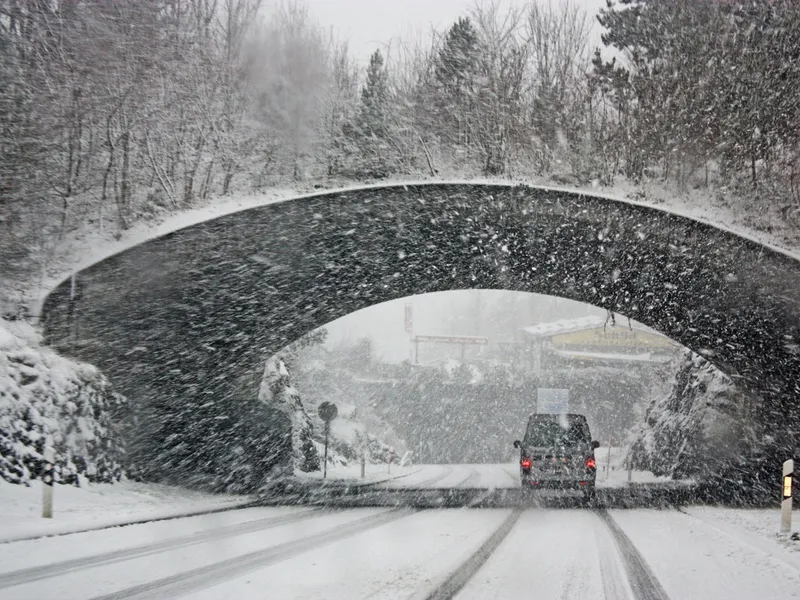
[525, 463]
[590, 463]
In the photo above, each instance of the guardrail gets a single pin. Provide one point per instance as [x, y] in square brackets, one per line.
[639, 495]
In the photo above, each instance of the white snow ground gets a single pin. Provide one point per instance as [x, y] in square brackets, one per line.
[387, 562]
[692, 559]
[98, 505]
[310, 554]
[351, 474]
[94, 506]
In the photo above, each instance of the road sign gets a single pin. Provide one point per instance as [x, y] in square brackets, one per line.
[552, 401]
[327, 411]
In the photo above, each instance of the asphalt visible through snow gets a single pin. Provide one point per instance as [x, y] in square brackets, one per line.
[365, 553]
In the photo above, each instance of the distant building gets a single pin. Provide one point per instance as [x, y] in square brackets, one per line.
[590, 341]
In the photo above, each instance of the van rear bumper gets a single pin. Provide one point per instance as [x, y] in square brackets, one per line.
[559, 484]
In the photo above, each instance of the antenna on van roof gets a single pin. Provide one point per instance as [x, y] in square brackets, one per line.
[609, 315]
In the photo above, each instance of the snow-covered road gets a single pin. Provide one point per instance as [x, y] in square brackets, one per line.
[306, 553]
[457, 476]
[610, 473]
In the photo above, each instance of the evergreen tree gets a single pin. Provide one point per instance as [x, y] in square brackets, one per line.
[372, 118]
[705, 81]
[370, 149]
[456, 82]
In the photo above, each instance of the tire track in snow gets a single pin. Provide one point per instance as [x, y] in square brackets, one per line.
[202, 577]
[453, 583]
[514, 476]
[612, 568]
[421, 484]
[643, 582]
[53, 570]
[471, 479]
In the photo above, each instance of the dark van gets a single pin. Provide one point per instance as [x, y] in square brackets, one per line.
[557, 452]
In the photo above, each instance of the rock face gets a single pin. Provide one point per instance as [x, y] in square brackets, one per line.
[46, 399]
[698, 428]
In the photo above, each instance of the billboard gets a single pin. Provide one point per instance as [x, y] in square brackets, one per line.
[617, 338]
[552, 400]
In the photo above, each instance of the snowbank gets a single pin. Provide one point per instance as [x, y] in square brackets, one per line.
[96, 506]
[46, 399]
[758, 527]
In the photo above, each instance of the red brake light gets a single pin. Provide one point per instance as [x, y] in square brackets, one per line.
[590, 463]
[525, 463]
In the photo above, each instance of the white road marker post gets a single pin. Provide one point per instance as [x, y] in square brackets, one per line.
[786, 497]
[47, 483]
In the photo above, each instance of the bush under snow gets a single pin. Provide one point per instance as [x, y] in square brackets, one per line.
[278, 393]
[46, 398]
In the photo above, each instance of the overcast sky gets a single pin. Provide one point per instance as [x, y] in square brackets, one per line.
[495, 314]
[370, 24]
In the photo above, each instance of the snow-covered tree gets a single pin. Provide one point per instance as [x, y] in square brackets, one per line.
[277, 393]
[47, 400]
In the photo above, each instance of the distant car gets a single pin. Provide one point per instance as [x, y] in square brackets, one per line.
[557, 452]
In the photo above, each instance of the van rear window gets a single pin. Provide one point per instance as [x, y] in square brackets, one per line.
[551, 433]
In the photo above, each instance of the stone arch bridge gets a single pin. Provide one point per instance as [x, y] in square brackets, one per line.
[187, 313]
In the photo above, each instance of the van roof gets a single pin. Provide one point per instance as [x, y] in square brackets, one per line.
[572, 416]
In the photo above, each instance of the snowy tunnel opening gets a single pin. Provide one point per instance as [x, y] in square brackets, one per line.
[451, 377]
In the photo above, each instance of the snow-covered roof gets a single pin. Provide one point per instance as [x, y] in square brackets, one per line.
[564, 326]
[579, 324]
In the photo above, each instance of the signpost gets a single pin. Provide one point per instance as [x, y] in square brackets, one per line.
[327, 412]
[786, 497]
[552, 401]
